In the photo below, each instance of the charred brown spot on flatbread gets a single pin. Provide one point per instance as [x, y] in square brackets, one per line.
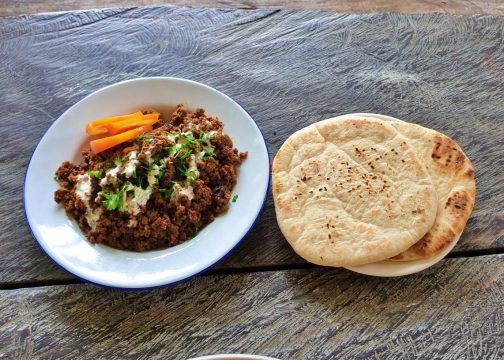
[421, 247]
[457, 203]
[470, 174]
[459, 206]
[454, 179]
[447, 154]
[343, 196]
[432, 242]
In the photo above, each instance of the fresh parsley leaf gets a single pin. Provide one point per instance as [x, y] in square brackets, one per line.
[160, 175]
[151, 167]
[119, 161]
[185, 154]
[157, 159]
[194, 233]
[95, 173]
[166, 193]
[175, 149]
[144, 163]
[234, 198]
[56, 178]
[181, 167]
[144, 138]
[191, 176]
[141, 181]
[205, 136]
[114, 201]
[208, 155]
[188, 139]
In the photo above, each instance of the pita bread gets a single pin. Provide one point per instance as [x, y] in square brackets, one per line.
[453, 176]
[350, 192]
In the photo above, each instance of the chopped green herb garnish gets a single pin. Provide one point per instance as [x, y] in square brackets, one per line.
[174, 150]
[208, 155]
[95, 173]
[234, 198]
[188, 139]
[157, 159]
[119, 161]
[166, 193]
[160, 175]
[205, 136]
[185, 154]
[141, 181]
[56, 178]
[114, 201]
[182, 167]
[144, 163]
[191, 175]
[143, 137]
[194, 233]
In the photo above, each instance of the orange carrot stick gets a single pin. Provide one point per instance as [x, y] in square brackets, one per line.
[151, 116]
[154, 116]
[97, 126]
[119, 127]
[126, 124]
[108, 142]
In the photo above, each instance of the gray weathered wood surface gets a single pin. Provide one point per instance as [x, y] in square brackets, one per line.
[459, 7]
[452, 311]
[288, 68]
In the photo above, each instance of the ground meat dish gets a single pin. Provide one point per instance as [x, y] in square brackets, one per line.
[156, 191]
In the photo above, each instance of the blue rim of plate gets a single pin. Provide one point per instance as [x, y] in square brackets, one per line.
[226, 255]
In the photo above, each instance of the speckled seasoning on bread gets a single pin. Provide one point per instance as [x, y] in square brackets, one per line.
[357, 189]
[351, 192]
[453, 176]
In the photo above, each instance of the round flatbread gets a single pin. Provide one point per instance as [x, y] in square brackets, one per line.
[350, 192]
[453, 176]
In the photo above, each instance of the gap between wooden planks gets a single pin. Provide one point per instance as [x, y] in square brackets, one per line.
[459, 7]
[65, 280]
[453, 310]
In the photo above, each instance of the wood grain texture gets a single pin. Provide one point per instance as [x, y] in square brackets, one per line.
[454, 311]
[459, 7]
[288, 68]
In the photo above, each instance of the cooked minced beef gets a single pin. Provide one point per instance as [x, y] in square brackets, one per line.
[156, 191]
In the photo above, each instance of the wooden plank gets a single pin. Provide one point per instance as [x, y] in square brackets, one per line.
[288, 68]
[459, 7]
[454, 311]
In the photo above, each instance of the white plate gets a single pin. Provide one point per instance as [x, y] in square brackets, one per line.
[396, 268]
[400, 268]
[62, 239]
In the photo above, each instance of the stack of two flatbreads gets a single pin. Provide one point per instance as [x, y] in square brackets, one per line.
[359, 189]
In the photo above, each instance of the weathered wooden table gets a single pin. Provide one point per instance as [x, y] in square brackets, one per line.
[289, 69]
